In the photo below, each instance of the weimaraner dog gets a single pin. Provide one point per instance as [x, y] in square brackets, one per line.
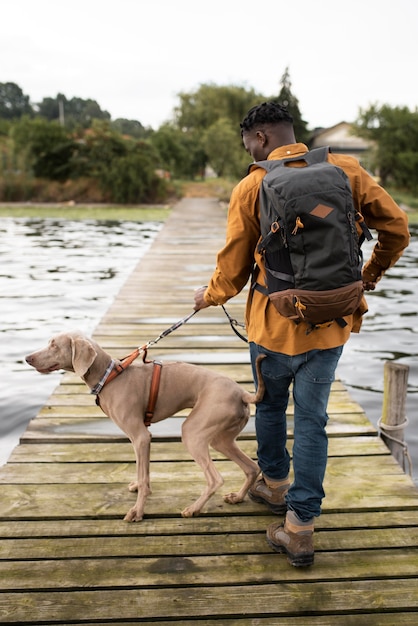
[220, 410]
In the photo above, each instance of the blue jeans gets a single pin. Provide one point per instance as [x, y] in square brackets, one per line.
[311, 374]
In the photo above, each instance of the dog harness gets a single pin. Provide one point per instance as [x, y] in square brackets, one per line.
[117, 367]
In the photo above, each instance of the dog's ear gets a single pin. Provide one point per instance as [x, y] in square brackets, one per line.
[83, 355]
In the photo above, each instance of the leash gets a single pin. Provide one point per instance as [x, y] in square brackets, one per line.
[234, 323]
[115, 368]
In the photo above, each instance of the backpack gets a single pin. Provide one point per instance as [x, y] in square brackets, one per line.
[310, 243]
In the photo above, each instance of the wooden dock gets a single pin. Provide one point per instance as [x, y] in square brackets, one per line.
[66, 556]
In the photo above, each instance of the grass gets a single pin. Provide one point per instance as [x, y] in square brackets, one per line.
[87, 212]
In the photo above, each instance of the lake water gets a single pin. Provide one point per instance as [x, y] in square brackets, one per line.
[55, 275]
[59, 275]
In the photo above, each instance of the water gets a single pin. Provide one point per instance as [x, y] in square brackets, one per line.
[389, 333]
[58, 275]
[55, 275]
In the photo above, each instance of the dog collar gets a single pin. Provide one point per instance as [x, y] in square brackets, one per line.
[97, 388]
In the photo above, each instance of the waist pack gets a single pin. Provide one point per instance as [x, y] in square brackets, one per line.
[310, 242]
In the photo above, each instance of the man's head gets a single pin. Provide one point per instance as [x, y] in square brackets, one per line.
[267, 126]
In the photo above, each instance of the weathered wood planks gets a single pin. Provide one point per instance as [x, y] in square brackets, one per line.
[66, 556]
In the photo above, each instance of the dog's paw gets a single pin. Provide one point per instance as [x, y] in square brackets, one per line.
[133, 515]
[133, 486]
[190, 512]
[232, 498]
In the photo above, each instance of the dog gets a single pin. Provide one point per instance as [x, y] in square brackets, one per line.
[219, 410]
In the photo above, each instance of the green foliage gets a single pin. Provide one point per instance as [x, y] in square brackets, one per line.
[125, 169]
[45, 149]
[201, 109]
[132, 128]
[97, 148]
[211, 117]
[178, 151]
[220, 144]
[131, 178]
[406, 175]
[72, 113]
[13, 102]
[74, 142]
[395, 133]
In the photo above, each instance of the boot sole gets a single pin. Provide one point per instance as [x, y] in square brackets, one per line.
[300, 560]
[277, 509]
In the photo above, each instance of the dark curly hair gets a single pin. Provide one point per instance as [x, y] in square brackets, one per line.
[265, 113]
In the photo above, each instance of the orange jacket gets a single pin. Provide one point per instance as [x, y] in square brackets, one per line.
[235, 262]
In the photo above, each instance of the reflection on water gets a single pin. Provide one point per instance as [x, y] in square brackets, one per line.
[59, 275]
[55, 275]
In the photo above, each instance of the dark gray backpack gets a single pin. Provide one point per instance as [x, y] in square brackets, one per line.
[310, 242]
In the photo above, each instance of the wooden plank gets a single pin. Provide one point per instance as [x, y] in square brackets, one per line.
[341, 469]
[363, 619]
[174, 450]
[345, 492]
[344, 522]
[257, 600]
[210, 545]
[144, 572]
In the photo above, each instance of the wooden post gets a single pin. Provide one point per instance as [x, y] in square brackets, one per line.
[394, 420]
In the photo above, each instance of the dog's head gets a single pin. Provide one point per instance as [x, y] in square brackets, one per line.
[72, 352]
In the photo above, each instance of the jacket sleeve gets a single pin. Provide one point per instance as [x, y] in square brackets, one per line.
[381, 213]
[236, 259]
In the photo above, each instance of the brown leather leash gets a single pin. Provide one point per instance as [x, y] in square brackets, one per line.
[115, 368]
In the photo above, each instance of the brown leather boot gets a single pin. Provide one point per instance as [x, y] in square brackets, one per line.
[273, 498]
[294, 539]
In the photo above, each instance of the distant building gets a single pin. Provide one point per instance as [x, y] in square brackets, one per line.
[341, 141]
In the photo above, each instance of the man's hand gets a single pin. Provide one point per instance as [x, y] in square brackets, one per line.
[369, 285]
[199, 302]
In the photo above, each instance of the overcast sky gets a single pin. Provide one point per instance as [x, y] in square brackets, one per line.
[134, 56]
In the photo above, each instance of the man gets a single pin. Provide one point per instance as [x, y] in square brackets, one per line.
[308, 360]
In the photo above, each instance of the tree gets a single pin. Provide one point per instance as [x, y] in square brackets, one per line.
[200, 116]
[287, 99]
[13, 102]
[132, 178]
[202, 108]
[220, 144]
[98, 146]
[72, 113]
[395, 133]
[45, 149]
[125, 169]
[180, 151]
[133, 128]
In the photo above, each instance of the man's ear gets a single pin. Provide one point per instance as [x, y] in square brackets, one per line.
[83, 355]
[261, 137]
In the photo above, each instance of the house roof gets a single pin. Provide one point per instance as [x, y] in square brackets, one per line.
[339, 139]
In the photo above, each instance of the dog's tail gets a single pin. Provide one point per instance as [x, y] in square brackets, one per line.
[259, 395]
